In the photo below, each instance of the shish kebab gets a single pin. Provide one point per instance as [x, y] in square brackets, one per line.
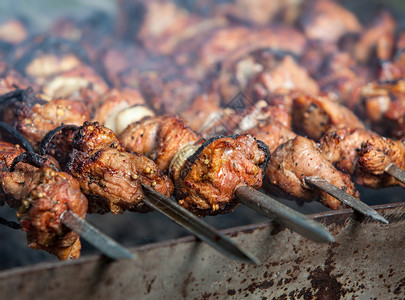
[350, 201]
[46, 198]
[35, 118]
[115, 180]
[214, 176]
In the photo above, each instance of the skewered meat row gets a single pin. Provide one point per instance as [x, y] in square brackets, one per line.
[238, 31]
[205, 173]
[41, 196]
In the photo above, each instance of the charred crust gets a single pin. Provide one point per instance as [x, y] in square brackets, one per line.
[14, 136]
[193, 158]
[47, 139]
[264, 165]
[32, 159]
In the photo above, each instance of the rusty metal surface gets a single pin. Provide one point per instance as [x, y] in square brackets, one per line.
[366, 261]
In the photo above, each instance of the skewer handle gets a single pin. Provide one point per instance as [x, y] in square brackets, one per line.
[284, 215]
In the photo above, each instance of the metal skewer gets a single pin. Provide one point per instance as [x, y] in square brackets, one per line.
[344, 197]
[194, 225]
[283, 214]
[95, 237]
[396, 172]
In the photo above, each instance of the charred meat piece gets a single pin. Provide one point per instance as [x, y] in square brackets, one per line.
[110, 176]
[159, 138]
[42, 195]
[34, 117]
[341, 146]
[272, 133]
[314, 116]
[51, 194]
[298, 158]
[286, 75]
[7, 154]
[375, 155]
[205, 181]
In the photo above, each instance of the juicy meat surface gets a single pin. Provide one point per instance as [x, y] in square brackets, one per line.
[35, 121]
[159, 138]
[314, 116]
[51, 194]
[272, 134]
[210, 176]
[341, 146]
[298, 158]
[375, 155]
[110, 176]
[287, 75]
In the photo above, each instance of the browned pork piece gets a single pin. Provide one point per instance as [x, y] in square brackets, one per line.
[34, 117]
[272, 133]
[313, 116]
[206, 176]
[160, 138]
[50, 195]
[42, 195]
[375, 155]
[298, 158]
[341, 146]
[7, 154]
[382, 106]
[284, 76]
[110, 176]
[261, 72]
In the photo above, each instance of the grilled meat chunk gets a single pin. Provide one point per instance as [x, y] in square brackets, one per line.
[159, 138]
[298, 158]
[208, 178]
[341, 146]
[51, 193]
[272, 133]
[314, 116]
[375, 155]
[110, 176]
[34, 122]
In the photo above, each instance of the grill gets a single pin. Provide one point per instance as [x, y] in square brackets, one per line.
[366, 261]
